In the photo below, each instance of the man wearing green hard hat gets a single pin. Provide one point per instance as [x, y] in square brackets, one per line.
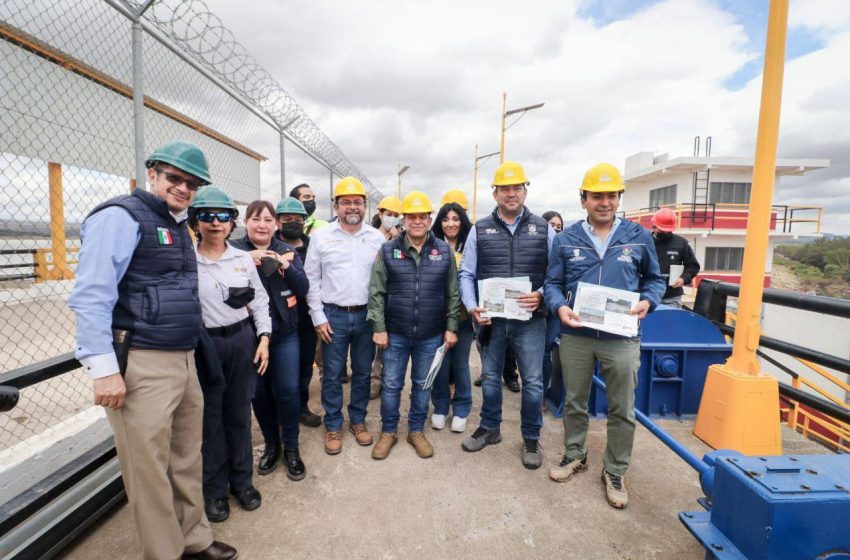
[138, 321]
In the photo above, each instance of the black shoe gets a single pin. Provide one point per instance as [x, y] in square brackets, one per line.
[513, 385]
[346, 378]
[217, 510]
[309, 418]
[295, 469]
[268, 460]
[478, 381]
[248, 498]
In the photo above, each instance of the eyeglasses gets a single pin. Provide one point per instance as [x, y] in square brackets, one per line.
[209, 217]
[176, 179]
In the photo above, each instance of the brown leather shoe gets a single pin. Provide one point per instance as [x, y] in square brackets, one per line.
[420, 444]
[384, 446]
[361, 434]
[333, 443]
[215, 551]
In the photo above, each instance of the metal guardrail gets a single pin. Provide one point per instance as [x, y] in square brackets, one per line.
[709, 215]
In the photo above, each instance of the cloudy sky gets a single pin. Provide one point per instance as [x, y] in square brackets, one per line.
[420, 83]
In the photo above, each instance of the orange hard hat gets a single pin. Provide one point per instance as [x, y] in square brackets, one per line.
[665, 219]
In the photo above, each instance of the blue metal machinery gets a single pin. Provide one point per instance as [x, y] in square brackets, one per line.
[677, 346]
[757, 508]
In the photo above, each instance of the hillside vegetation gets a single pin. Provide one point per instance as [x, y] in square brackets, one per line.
[822, 267]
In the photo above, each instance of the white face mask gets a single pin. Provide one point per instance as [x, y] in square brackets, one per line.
[390, 222]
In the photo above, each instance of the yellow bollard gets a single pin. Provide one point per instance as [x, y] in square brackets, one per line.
[739, 409]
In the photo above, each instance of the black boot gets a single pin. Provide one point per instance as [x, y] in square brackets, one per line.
[295, 469]
[268, 460]
[309, 418]
[217, 510]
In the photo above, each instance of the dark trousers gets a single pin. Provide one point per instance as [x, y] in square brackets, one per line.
[227, 448]
[276, 398]
[306, 356]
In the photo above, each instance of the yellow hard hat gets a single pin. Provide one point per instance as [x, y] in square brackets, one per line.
[602, 177]
[348, 186]
[416, 202]
[509, 173]
[457, 196]
[391, 203]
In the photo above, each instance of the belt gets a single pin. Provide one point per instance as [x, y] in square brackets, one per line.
[347, 308]
[228, 330]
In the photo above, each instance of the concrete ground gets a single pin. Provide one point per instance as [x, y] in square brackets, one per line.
[454, 505]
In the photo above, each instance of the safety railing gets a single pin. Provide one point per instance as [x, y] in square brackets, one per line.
[807, 407]
[712, 216]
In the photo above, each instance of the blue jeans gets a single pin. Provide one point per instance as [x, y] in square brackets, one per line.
[276, 403]
[349, 330]
[527, 340]
[455, 368]
[401, 350]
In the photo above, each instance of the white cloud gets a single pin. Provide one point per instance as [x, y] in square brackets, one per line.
[420, 84]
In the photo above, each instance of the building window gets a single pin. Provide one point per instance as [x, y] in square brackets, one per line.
[730, 193]
[724, 258]
[660, 197]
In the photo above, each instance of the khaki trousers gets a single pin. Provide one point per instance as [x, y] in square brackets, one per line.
[619, 361]
[158, 436]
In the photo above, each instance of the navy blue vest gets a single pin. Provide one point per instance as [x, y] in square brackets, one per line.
[416, 295]
[158, 295]
[502, 255]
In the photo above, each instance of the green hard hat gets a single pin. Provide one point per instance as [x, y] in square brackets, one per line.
[184, 156]
[213, 197]
[290, 206]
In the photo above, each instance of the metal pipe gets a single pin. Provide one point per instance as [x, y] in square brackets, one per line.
[138, 106]
[745, 344]
[331, 187]
[60, 269]
[797, 300]
[817, 403]
[502, 144]
[282, 165]
[692, 460]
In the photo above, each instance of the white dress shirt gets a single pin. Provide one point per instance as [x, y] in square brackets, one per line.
[338, 266]
[234, 269]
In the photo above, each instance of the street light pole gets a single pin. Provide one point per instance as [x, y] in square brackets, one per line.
[475, 178]
[505, 115]
[401, 171]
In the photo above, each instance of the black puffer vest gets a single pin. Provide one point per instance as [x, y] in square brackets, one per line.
[158, 295]
[502, 255]
[416, 295]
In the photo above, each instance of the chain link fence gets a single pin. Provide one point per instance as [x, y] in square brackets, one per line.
[68, 142]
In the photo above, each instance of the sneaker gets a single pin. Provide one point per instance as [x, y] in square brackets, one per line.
[422, 446]
[458, 424]
[438, 421]
[310, 418]
[382, 449]
[481, 438]
[532, 453]
[615, 490]
[333, 443]
[295, 469]
[268, 460]
[361, 434]
[567, 468]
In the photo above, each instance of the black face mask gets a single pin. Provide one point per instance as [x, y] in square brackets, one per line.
[238, 298]
[291, 230]
[268, 266]
[310, 207]
[663, 235]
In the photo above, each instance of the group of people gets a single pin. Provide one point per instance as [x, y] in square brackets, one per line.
[185, 330]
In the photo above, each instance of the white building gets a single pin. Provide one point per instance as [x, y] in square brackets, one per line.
[710, 195]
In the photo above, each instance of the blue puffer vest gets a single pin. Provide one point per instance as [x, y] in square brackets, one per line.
[416, 295]
[502, 255]
[158, 295]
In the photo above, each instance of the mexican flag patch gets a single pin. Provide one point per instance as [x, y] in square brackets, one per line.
[163, 235]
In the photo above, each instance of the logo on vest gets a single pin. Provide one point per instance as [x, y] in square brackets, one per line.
[577, 256]
[435, 255]
[491, 231]
[626, 257]
[532, 229]
[163, 236]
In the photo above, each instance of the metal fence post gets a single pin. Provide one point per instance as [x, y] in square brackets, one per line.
[138, 106]
[331, 188]
[282, 165]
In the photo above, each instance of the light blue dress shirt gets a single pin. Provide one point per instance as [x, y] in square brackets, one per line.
[110, 239]
[469, 261]
[601, 245]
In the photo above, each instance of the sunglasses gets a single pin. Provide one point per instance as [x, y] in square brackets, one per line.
[209, 217]
[176, 179]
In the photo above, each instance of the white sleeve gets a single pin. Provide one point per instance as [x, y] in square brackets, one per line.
[259, 306]
[313, 269]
